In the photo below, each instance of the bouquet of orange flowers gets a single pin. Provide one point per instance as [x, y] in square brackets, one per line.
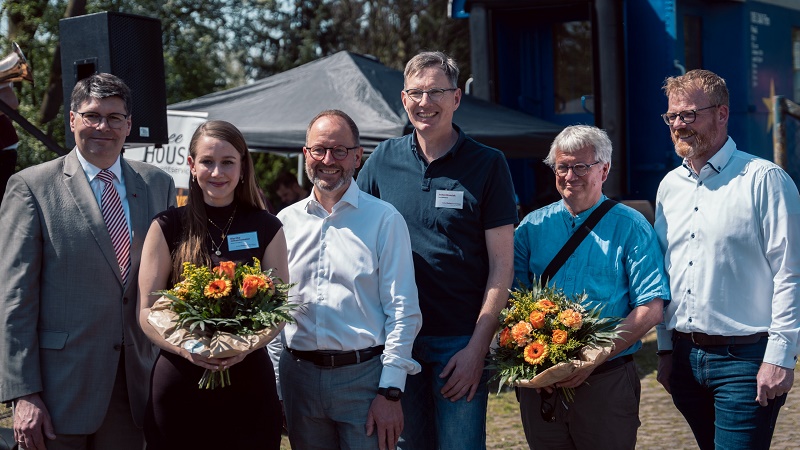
[545, 336]
[222, 312]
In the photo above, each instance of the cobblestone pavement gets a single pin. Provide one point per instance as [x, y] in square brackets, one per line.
[663, 427]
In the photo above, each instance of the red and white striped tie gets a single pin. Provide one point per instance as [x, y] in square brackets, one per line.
[114, 217]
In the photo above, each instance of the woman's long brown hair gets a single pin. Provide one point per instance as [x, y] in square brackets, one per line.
[192, 247]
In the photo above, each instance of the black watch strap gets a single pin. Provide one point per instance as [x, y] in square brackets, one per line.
[392, 394]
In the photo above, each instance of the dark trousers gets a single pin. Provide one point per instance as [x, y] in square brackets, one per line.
[603, 415]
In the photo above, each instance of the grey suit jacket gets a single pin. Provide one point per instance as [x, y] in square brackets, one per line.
[64, 313]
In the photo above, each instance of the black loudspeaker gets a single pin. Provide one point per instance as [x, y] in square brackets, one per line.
[129, 47]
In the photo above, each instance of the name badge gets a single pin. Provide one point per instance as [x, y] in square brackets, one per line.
[243, 241]
[449, 199]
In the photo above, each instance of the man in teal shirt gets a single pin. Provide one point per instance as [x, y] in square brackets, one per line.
[619, 266]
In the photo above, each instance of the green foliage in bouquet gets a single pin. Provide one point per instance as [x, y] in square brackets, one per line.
[237, 299]
[542, 327]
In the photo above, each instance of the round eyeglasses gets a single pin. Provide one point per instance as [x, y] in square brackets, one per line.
[93, 119]
[579, 169]
[687, 116]
[433, 94]
[339, 152]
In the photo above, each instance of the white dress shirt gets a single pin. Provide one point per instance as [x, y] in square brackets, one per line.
[731, 241]
[355, 280]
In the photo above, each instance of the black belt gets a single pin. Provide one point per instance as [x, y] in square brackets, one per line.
[710, 340]
[613, 364]
[332, 358]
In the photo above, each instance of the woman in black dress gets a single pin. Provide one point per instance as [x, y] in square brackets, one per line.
[224, 220]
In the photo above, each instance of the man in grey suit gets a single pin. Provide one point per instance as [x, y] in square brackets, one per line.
[73, 359]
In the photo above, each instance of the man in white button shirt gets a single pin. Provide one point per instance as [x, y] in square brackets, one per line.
[345, 360]
[729, 225]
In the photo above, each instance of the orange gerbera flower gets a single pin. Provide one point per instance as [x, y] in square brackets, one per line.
[535, 353]
[560, 337]
[218, 288]
[505, 337]
[546, 306]
[227, 268]
[571, 318]
[537, 319]
[520, 332]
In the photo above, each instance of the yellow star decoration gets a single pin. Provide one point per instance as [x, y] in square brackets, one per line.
[770, 105]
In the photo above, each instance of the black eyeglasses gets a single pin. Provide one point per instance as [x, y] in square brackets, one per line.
[547, 409]
[433, 94]
[339, 152]
[687, 117]
[93, 119]
[579, 169]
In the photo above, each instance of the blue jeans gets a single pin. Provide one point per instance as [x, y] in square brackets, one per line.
[715, 390]
[432, 421]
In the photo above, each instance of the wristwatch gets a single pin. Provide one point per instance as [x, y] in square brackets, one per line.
[392, 394]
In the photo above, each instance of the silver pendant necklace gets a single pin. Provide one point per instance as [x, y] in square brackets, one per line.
[214, 246]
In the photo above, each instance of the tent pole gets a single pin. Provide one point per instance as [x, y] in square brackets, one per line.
[300, 164]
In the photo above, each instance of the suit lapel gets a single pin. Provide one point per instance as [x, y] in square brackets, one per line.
[78, 187]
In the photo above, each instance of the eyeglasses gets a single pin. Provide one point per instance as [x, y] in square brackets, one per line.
[114, 120]
[547, 409]
[579, 169]
[339, 152]
[433, 94]
[687, 117]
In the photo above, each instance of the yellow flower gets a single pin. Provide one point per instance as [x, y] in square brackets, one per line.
[546, 306]
[535, 353]
[227, 268]
[218, 288]
[520, 332]
[181, 290]
[571, 318]
[537, 319]
[505, 337]
[560, 337]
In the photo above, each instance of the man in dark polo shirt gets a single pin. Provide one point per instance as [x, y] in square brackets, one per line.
[457, 198]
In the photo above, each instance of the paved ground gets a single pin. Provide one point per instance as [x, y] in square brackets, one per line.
[663, 427]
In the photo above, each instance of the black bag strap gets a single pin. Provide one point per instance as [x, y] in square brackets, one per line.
[575, 240]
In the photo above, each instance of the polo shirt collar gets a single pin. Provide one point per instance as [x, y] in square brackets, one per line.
[450, 153]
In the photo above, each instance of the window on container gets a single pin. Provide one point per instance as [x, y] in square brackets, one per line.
[574, 78]
[692, 42]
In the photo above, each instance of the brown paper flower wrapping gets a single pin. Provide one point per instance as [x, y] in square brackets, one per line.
[217, 345]
[590, 356]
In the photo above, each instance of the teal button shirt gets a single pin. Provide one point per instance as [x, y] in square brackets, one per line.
[619, 265]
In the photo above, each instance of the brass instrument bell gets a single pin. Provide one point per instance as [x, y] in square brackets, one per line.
[14, 67]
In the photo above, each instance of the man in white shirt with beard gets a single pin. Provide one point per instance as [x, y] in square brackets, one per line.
[729, 224]
[345, 360]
